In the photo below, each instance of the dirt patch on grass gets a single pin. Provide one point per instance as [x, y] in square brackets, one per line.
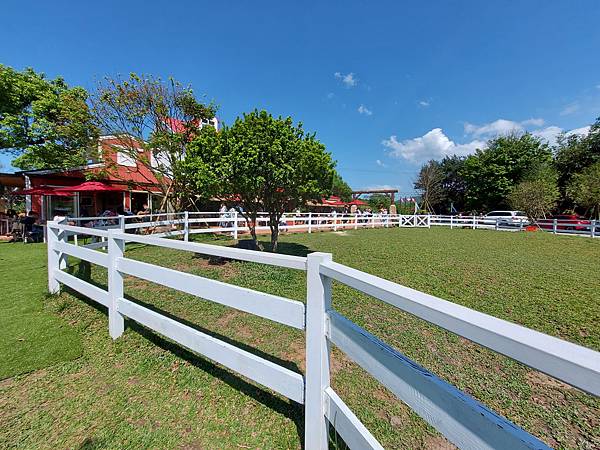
[296, 353]
[224, 267]
[225, 319]
[541, 379]
[438, 443]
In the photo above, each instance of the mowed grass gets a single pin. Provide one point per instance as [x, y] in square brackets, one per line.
[30, 337]
[142, 391]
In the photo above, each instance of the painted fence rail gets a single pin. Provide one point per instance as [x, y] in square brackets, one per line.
[461, 419]
[188, 223]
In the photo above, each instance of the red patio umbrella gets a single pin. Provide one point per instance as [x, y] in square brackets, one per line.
[40, 190]
[90, 186]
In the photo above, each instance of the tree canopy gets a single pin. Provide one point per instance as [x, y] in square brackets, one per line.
[44, 123]
[584, 188]
[264, 164]
[341, 188]
[159, 117]
[491, 173]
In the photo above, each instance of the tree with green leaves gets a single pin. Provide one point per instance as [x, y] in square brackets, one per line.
[378, 201]
[264, 164]
[44, 123]
[341, 188]
[537, 194]
[158, 117]
[491, 173]
[584, 189]
[573, 154]
[453, 184]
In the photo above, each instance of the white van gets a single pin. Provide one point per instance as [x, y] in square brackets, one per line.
[506, 218]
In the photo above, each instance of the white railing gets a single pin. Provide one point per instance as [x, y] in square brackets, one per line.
[188, 223]
[462, 419]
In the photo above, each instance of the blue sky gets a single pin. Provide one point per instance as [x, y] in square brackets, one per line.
[385, 85]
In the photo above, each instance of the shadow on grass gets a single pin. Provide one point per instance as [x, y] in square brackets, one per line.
[286, 248]
[287, 408]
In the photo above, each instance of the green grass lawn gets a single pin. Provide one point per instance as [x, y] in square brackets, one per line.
[30, 336]
[142, 391]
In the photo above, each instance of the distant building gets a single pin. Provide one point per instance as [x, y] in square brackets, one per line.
[114, 168]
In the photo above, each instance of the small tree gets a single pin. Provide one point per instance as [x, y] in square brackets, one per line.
[160, 118]
[44, 123]
[429, 185]
[265, 163]
[538, 193]
[584, 188]
[378, 201]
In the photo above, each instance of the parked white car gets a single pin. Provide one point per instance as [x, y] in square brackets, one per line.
[506, 218]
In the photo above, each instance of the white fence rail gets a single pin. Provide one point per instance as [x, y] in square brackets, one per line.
[463, 420]
[188, 223]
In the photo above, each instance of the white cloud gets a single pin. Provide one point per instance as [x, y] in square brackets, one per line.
[330, 95]
[501, 126]
[362, 109]
[349, 80]
[580, 131]
[380, 163]
[424, 103]
[570, 109]
[432, 145]
[598, 86]
[550, 134]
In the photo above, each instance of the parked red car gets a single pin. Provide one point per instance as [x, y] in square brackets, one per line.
[565, 222]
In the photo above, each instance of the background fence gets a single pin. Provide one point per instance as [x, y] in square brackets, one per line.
[463, 420]
[187, 223]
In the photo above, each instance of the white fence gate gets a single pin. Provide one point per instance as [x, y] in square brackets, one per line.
[460, 418]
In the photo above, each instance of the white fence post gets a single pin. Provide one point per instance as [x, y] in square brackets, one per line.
[554, 225]
[496, 224]
[121, 223]
[451, 222]
[55, 259]
[310, 222]
[428, 220]
[235, 225]
[356, 221]
[318, 301]
[334, 221]
[474, 222]
[520, 224]
[186, 226]
[593, 228]
[116, 323]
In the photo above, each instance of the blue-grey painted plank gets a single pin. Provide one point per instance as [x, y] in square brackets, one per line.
[463, 420]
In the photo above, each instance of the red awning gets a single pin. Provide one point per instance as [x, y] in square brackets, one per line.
[91, 186]
[40, 190]
[357, 202]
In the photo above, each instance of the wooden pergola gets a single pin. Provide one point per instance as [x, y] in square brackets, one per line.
[390, 192]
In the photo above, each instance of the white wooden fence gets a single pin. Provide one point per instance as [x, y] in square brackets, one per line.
[463, 420]
[187, 223]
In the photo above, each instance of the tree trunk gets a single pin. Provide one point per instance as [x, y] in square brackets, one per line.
[251, 221]
[274, 226]
[275, 237]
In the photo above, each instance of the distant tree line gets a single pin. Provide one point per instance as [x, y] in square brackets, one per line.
[517, 171]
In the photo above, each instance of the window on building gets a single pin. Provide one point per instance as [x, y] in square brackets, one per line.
[124, 159]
